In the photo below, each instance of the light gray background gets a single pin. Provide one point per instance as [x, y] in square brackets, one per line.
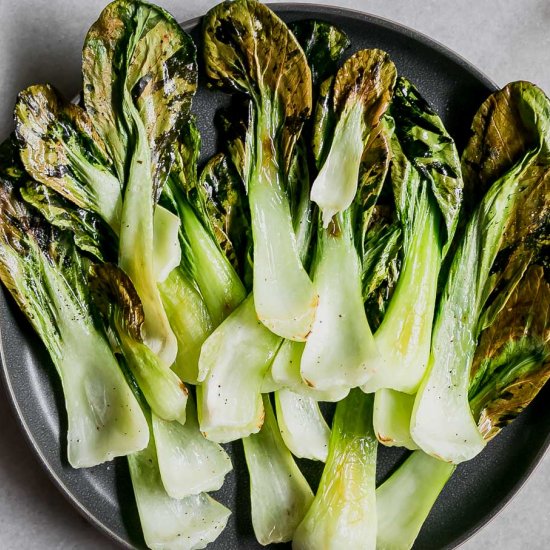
[40, 40]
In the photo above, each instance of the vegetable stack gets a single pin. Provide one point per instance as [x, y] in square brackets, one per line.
[336, 249]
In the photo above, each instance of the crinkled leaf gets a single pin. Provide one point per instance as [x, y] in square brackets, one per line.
[236, 124]
[431, 150]
[381, 266]
[226, 206]
[274, 71]
[367, 77]
[90, 233]
[22, 234]
[60, 149]
[136, 49]
[503, 130]
[493, 146]
[373, 169]
[324, 121]
[113, 290]
[512, 360]
[301, 208]
[323, 45]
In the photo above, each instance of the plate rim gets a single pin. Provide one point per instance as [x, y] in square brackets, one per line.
[320, 11]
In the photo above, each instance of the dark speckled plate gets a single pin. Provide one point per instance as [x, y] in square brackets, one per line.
[103, 494]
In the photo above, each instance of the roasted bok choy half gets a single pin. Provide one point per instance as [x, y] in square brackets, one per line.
[427, 188]
[43, 272]
[343, 512]
[276, 77]
[139, 72]
[340, 349]
[510, 366]
[506, 234]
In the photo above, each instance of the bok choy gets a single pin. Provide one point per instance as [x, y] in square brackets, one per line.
[510, 366]
[427, 189]
[139, 71]
[506, 225]
[276, 76]
[343, 513]
[46, 276]
[340, 350]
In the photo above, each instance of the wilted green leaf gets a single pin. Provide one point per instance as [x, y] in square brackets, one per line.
[60, 149]
[431, 150]
[272, 71]
[137, 54]
[323, 45]
[512, 360]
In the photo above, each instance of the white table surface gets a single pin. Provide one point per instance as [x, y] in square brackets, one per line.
[40, 40]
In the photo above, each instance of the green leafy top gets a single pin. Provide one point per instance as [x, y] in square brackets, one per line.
[366, 78]
[509, 123]
[32, 252]
[273, 72]
[60, 149]
[427, 145]
[509, 126]
[136, 53]
[90, 233]
[512, 361]
[117, 299]
[348, 116]
[226, 207]
[323, 45]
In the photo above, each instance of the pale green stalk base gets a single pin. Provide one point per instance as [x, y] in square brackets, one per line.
[104, 418]
[406, 498]
[135, 254]
[343, 513]
[172, 524]
[403, 339]
[442, 424]
[164, 392]
[190, 322]
[218, 282]
[233, 362]
[336, 184]
[280, 495]
[283, 292]
[189, 463]
[166, 245]
[392, 419]
[340, 351]
[285, 371]
[303, 428]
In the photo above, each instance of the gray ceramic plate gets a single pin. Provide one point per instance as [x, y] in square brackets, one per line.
[104, 494]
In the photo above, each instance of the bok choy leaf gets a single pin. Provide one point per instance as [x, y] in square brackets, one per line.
[340, 350]
[118, 300]
[139, 71]
[42, 270]
[279, 86]
[504, 226]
